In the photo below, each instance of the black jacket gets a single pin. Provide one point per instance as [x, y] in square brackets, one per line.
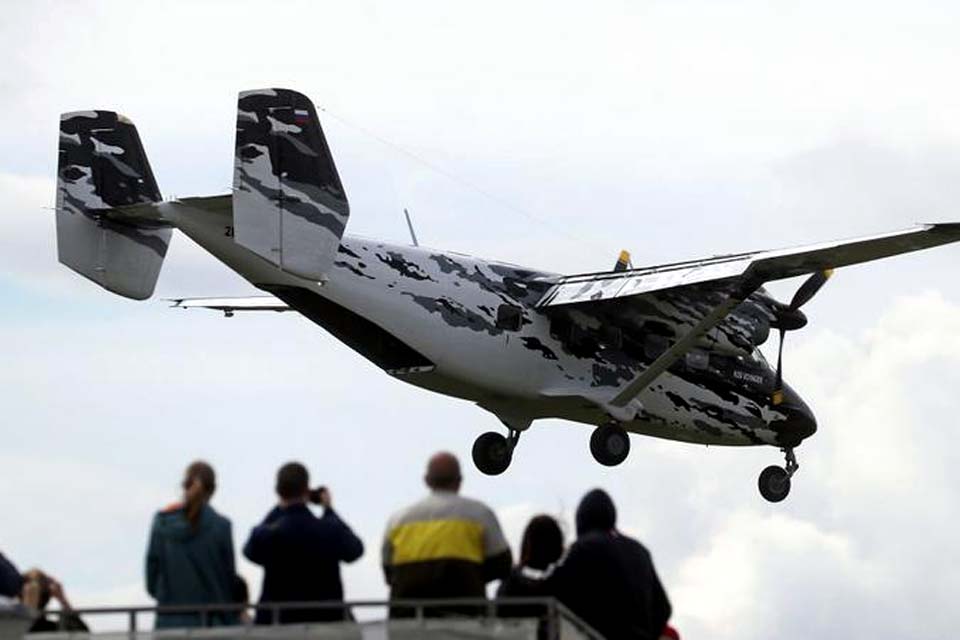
[301, 554]
[10, 579]
[608, 579]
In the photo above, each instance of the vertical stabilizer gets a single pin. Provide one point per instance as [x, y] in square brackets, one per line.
[289, 206]
[102, 165]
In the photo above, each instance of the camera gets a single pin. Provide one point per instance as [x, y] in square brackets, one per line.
[317, 495]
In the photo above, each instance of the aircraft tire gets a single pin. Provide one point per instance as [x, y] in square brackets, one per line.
[774, 483]
[610, 445]
[492, 453]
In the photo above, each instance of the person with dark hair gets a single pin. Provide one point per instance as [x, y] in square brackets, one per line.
[445, 545]
[190, 559]
[301, 553]
[607, 578]
[37, 591]
[541, 547]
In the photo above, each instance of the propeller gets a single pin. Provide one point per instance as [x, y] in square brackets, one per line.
[792, 318]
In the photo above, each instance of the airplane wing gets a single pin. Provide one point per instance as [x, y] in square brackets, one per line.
[740, 269]
[738, 275]
[231, 305]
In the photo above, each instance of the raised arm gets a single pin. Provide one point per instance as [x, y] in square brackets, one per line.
[349, 546]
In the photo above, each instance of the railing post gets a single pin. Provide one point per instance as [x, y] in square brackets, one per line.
[553, 620]
[132, 621]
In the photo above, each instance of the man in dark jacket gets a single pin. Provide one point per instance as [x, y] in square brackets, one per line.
[300, 553]
[607, 578]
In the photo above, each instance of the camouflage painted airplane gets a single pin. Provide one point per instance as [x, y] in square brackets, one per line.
[669, 351]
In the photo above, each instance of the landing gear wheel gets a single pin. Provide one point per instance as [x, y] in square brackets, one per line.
[492, 453]
[774, 483]
[610, 445]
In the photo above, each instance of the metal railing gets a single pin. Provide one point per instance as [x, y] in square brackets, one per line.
[553, 615]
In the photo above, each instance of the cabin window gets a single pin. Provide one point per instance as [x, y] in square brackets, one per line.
[509, 317]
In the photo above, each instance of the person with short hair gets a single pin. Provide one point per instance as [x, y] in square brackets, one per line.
[607, 578]
[301, 553]
[190, 558]
[445, 545]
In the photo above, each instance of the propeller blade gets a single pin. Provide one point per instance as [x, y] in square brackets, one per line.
[777, 396]
[809, 288]
[792, 318]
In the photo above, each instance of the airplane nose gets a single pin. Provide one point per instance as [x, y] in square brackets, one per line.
[798, 422]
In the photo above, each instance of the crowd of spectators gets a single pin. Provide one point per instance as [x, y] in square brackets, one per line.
[444, 546]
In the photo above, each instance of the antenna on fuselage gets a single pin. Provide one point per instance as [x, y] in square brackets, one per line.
[413, 235]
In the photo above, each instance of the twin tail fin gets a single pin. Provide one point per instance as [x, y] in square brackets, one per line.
[101, 165]
[289, 205]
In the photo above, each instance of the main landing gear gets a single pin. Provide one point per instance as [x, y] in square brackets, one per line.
[493, 452]
[610, 444]
[774, 481]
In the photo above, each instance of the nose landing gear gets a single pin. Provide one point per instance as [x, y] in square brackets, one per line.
[774, 482]
[493, 452]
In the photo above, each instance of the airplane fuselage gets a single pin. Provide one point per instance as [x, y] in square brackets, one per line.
[469, 328]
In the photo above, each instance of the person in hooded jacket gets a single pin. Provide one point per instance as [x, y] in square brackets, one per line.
[607, 578]
[190, 559]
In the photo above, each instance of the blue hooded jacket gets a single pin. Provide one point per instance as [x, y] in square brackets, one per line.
[190, 566]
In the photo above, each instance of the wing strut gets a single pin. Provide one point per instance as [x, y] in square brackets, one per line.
[680, 347]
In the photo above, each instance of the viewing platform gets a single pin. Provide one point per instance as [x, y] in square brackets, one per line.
[446, 619]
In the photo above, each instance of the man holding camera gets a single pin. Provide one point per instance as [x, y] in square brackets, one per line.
[301, 553]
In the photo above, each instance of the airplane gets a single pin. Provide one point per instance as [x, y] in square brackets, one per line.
[669, 351]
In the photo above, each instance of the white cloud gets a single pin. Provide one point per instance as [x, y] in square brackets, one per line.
[737, 586]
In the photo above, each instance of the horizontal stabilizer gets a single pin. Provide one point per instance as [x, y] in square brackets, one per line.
[289, 206]
[747, 269]
[101, 166]
[230, 305]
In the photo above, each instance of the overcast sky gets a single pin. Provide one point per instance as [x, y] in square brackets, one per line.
[672, 129]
